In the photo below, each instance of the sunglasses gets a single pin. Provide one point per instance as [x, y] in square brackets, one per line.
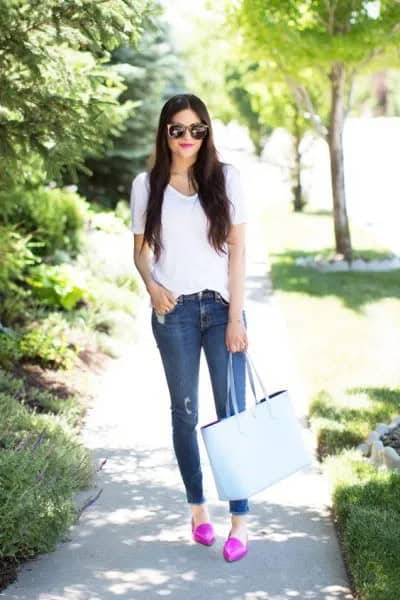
[198, 131]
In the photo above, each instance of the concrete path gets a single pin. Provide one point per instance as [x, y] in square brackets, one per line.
[134, 542]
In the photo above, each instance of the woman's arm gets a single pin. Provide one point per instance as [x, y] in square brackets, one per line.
[142, 260]
[162, 299]
[236, 332]
[237, 264]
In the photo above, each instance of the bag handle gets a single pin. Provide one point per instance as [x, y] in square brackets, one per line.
[250, 365]
[231, 383]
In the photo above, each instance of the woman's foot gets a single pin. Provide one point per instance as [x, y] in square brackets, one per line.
[202, 530]
[236, 545]
[239, 528]
[200, 514]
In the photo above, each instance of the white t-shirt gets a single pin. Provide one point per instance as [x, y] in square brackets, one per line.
[188, 263]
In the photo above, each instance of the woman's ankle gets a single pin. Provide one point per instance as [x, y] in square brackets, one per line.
[239, 528]
[239, 521]
[200, 513]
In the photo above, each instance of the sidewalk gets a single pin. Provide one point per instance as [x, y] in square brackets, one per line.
[134, 542]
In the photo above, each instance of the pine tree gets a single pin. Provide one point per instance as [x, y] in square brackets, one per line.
[151, 73]
[57, 100]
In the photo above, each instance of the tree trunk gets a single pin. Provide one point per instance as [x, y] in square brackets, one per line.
[296, 174]
[335, 141]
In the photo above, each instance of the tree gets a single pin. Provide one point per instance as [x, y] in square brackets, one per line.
[57, 100]
[239, 88]
[377, 94]
[150, 73]
[208, 54]
[248, 105]
[273, 105]
[336, 39]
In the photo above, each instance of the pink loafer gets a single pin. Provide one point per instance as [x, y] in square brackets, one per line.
[203, 533]
[234, 549]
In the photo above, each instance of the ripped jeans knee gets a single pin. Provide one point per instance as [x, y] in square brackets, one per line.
[184, 414]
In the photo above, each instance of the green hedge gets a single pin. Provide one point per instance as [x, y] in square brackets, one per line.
[42, 464]
[53, 217]
[367, 506]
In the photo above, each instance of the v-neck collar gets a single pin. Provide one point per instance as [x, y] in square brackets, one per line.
[180, 193]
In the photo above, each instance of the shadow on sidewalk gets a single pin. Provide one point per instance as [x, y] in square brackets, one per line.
[135, 542]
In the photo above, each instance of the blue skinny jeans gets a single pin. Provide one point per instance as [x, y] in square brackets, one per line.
[197, 320]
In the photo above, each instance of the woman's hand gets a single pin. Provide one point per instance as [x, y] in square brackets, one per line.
[236, 336]
[162, 299]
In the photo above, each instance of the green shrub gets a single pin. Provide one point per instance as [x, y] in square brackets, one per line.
[38, 346]
[42, 463]
[107, 222]
[41, 400]
[15, 255]
[58, 285]
[45, 342]
[15, 258]
[10, 352]
[54, 217]
[123, 212]
[125, 280]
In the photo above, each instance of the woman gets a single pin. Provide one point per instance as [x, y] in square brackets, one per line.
[189, 211]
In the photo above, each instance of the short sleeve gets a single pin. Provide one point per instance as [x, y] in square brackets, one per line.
[235, 193]
[138, 202]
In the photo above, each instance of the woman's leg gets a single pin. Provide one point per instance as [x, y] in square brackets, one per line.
[217, 360]
[178, 339]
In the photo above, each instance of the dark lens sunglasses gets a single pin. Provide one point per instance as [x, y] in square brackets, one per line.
[198, 131]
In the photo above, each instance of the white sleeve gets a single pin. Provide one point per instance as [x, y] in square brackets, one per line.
[138, 201]
[235, 193]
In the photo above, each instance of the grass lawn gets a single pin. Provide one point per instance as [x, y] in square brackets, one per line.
[345, 331]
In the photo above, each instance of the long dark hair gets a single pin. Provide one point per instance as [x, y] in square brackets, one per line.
[207, 171]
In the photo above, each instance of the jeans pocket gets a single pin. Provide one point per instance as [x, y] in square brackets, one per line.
[221, 300]
[169, 312]
[173, 309]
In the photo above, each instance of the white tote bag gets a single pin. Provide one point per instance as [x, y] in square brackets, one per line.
[252, 449]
